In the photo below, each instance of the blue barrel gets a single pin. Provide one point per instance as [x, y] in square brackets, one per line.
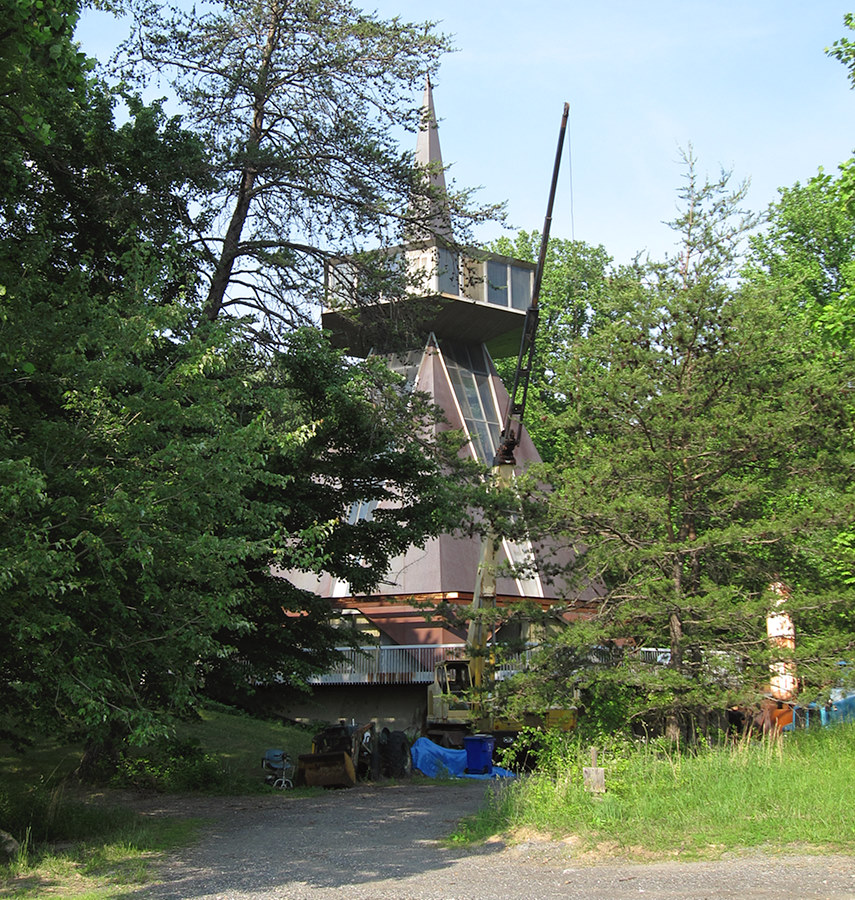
[479, 753]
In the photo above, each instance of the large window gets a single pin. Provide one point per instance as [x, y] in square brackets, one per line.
[497, 282]
[508, 285]
[521, 287]
[469, 373]
[448, 272]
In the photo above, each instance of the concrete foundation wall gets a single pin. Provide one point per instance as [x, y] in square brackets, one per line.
[396, 707]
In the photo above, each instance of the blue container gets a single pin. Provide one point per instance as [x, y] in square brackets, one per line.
[479, 753]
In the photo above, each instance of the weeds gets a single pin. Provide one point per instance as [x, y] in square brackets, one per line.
[173, 765]
[776, 793]
[73, 848]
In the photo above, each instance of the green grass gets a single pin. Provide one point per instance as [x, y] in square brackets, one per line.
[793, 793]
[77, 848]
[219, 753]
[97, 867]
[239, 742]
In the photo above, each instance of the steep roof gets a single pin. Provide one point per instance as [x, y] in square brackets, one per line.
[429, 158]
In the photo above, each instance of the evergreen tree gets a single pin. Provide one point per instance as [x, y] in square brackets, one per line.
[155, 465]
[705, 457]
[300, 105]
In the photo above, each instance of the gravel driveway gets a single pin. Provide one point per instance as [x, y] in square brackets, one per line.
[383, 842]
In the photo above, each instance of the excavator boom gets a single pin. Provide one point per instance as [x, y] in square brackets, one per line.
[448, 712]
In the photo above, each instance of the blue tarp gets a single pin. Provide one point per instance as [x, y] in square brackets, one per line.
[440, 762]
[840, 708]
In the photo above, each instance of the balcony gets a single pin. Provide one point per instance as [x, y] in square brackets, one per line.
[403, 664]
[470, 296]
[415, 663]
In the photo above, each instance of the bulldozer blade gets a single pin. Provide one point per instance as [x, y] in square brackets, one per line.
[334, 769]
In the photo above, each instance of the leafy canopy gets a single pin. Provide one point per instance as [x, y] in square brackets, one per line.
[155, 464]
[703, 454]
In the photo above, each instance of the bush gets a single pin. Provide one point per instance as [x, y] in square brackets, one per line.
[171, 765]
[43, 814]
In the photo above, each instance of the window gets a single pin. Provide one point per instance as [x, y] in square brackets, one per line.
[508, 285]
[497, 282]
[448, 272]
[469, 373]
[521, 287]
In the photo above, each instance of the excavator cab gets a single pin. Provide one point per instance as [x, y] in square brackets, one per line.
[453, 677]
[448, 702]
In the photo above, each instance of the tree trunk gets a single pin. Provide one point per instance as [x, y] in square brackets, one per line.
[672, 727]
[675, 635]
[103, 754]
[675, 632]
[231, 242]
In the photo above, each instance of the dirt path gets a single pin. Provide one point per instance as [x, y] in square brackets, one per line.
[373, 843]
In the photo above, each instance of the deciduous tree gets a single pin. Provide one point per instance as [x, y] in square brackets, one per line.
[808, 252]
[155, 464]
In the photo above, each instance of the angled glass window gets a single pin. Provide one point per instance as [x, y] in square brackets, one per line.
[407, 364]
[525, 571]
[469, 373]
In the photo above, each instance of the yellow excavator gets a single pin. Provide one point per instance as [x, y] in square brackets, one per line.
[456, 699]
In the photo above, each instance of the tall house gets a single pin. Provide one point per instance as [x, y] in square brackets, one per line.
[473, 307]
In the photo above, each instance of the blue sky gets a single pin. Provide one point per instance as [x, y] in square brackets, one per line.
[746, 83]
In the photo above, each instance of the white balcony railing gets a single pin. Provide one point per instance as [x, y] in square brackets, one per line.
[402, 664]
[415, 663]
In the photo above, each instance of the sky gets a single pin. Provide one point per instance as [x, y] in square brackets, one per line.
[745, 83]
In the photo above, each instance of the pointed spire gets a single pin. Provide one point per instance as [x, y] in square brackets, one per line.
[429, 156]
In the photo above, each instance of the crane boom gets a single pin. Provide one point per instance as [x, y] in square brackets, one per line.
[512, 426]
[484, 594]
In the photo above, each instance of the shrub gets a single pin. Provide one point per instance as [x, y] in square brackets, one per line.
[172, 765]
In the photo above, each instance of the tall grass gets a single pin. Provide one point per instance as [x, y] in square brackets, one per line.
[72, 847]
[75, 849]
[783, 793]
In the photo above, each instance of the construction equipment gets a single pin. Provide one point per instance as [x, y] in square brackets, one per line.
[341, 755]
[455, 711]
[456, 698]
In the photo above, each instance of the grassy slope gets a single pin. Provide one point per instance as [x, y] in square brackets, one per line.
[239, 742]
[102, 850]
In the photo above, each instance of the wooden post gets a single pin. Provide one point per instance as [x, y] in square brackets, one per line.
[593, 776]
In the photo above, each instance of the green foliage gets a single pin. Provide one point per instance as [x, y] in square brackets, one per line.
[172, 765]
[605, 708]
[536, 748]
[807, 253]
[843, 49]
[38, 63]
[156, 464]
[806, 257]
[660, 800]
[704, 454]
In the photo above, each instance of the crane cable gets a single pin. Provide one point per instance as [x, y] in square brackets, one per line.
[570, 173]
